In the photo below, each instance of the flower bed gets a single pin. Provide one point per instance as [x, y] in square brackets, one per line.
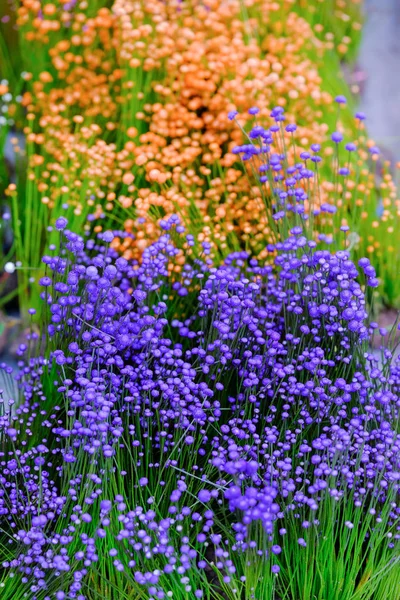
[197, 411]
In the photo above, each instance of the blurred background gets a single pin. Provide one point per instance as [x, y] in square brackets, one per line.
[378, 66]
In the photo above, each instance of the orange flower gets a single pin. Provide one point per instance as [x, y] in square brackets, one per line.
[128, 111]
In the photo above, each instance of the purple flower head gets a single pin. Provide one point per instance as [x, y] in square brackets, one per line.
[204, 496]
[277, 111]
[45, 281]
[360, 116]
[105, 506]
[107, 236]
[256, 132]
[275, 569]
[344, 171]
[61, 223]
[364, 262]
[337, 137]
[374, 150]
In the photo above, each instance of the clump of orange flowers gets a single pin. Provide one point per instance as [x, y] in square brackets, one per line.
[127, 107]
[130, 110]
[212, 60]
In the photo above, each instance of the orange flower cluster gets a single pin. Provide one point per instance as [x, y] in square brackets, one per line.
[97, 133]
[128, 108]
[210, 61]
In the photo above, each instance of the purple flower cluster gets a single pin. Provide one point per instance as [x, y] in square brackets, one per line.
[180, 446]
[290, 188]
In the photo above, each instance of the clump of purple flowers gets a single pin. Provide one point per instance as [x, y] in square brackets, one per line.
[289, 181]
[187, 453]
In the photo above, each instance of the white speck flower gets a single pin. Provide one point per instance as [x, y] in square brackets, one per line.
[9, 267]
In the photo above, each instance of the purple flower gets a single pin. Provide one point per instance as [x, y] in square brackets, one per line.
[107, 236]
[275, 569]
[45, 281]
[61, 223]
[344, 171]
[360, 116]
[337, 137]
[204, 496]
